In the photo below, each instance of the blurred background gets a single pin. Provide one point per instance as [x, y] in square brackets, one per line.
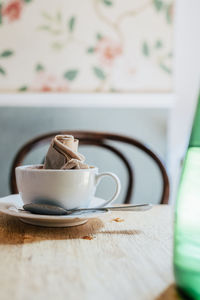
[130, 67]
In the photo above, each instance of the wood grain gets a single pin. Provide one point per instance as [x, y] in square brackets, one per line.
[131, 259]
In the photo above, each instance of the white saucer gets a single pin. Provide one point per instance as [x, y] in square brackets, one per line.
[9, 205]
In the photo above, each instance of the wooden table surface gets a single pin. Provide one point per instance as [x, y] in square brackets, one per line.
[123, 255]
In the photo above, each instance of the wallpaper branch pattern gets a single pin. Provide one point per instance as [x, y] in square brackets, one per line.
[86, 46]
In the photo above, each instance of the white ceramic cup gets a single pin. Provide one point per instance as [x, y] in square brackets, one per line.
[66, 188]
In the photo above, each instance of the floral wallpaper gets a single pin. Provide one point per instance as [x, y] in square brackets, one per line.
[86, 45]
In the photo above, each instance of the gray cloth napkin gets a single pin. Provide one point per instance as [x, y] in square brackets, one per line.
[63, 154]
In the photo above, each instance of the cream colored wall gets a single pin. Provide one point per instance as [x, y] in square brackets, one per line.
[187, 84]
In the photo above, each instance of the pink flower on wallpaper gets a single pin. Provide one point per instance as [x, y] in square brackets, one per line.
[108, 50]
[12, 10]
[46, 82]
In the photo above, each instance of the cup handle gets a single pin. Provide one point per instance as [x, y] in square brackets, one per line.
[118, 186]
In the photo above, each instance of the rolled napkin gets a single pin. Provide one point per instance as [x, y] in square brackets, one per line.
[63, 154]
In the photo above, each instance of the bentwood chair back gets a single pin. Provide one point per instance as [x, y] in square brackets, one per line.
[98, 139]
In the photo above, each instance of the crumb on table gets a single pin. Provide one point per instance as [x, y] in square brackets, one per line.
[118, 220]
[88, 237]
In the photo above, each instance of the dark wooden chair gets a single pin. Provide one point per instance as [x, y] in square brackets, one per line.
[99, 139]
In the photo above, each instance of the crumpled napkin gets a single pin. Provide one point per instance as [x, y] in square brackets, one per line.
[63, 154]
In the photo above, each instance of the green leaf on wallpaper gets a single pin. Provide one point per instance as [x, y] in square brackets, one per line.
[57, 45]
[56, 31]
[145, 49]
[169, 13]
[165, 68]
[39, 68]
[71, 74]
[158, 4]
[91, 50]
[58, 16]
[71, 23]
[158, 44]
[170, 54]
[6, 53]
[2, 71]
[27, 1]
[112, 90]
[44, 27]
[99, 73]
[107, 2]
[99, 36]
[23, 88]
[47, 16]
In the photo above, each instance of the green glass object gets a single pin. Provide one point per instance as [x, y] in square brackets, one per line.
[187, 218]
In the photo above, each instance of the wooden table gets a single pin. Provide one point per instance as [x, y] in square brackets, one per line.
[107, 258]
